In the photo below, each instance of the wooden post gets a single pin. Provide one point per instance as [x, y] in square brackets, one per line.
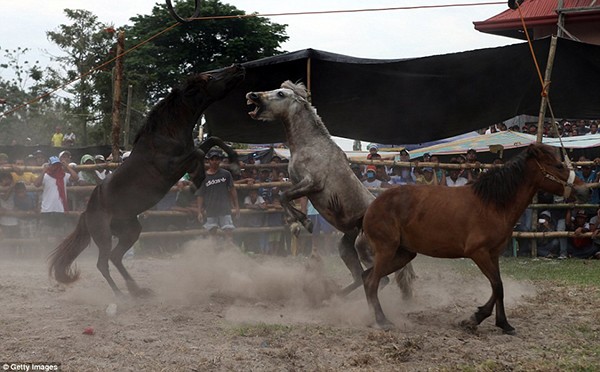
[541, 117]
[116, 109]
[127, 118]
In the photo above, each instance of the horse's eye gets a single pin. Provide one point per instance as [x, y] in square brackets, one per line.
[281, 94]
[210, 77]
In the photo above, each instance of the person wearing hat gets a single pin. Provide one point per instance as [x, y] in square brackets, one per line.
[216, 196]
[88, 177]
[371, 182]
[372, 151]
[54, 202]
[547, 247]
[427, 177]
[581, 247]
[102, 172]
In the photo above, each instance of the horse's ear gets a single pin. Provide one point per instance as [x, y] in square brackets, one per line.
[194, 83]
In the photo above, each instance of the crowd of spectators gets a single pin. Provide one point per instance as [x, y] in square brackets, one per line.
[564, 128]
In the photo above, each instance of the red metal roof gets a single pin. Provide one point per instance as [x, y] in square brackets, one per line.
[537, 13]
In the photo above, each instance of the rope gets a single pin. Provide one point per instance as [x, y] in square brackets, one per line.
[93, 69]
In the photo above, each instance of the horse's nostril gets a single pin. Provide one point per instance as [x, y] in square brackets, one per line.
[253, 95]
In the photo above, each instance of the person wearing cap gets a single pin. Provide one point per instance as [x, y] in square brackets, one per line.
[581, 247]
[216, 196]
[54, 202]
[427, 177]
[88, 177]
[102, 172]
[547, 247]
[371, 182]
[372, 151]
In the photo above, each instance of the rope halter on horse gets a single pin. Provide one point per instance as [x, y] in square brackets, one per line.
[568, 185]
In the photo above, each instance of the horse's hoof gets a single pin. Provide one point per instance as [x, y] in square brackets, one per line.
[469, 325]
[142, 293]
[510, 332]
[384, 325]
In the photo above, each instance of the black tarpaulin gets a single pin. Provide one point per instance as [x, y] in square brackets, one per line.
[420, 99]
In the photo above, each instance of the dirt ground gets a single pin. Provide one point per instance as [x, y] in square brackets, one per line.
[215, 308]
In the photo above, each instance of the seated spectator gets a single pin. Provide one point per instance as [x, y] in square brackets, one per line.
[381, 174]
[453, 179]
[581, 247]
[64, 157]
[547, 247]
[3, 159]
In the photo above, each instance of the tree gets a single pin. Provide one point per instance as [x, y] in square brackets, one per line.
[87, 43]
[196, 46]
[25, 81]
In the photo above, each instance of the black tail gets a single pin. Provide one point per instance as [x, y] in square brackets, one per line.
[63, 256]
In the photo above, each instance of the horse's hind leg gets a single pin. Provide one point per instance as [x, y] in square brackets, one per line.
[349, 255]
[128, 233]
[387, 260]
[489, 266]
[102, 237]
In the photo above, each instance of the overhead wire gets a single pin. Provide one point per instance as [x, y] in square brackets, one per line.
[127, 51]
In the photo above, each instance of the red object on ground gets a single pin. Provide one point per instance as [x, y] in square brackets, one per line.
[88, 331]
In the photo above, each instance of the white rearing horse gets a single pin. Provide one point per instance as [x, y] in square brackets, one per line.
[320, 170]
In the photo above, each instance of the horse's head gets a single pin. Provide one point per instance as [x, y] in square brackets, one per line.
[278, 103]
[213, 85]
[556, 177]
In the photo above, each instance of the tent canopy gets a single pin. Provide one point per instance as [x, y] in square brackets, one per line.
[416, 100]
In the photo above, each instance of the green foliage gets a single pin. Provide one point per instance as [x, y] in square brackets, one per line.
[196, 46]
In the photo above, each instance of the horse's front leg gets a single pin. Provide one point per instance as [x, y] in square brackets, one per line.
[306, 186]
[196, 168]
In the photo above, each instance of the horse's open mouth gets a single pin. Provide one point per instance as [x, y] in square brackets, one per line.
[254, 113]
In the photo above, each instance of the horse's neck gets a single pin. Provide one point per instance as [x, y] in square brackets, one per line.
[303, 128]
[521, 201]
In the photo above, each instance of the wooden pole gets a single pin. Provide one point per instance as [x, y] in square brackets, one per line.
[116, 109]
[127, 118]
[541, 117]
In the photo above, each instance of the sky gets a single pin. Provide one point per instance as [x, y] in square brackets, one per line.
[388, 34]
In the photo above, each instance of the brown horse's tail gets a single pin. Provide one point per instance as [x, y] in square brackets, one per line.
[64, 255]
[404, 279]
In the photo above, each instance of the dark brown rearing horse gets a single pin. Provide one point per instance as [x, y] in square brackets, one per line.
[163, 152]
[473, 221]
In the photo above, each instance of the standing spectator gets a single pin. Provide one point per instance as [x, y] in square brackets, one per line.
[54, 180]
[57, 137]
[216, 196]
[25, 202]
[252, 241]
[102, 172]
[19, 174]
[69, 138]
[88, 177]
[8, 224]
[472, 173]
[372, 151]
[372, 182]
[593, 128]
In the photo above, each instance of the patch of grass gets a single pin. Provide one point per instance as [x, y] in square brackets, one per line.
[261, 330]
[569, 272]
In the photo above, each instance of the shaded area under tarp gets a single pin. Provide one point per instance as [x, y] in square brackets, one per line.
[417, 100]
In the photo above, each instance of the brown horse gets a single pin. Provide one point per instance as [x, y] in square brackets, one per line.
[473, 221]
[163, 152]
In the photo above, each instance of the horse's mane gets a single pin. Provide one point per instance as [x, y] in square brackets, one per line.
[302, 94]
[499, 185]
